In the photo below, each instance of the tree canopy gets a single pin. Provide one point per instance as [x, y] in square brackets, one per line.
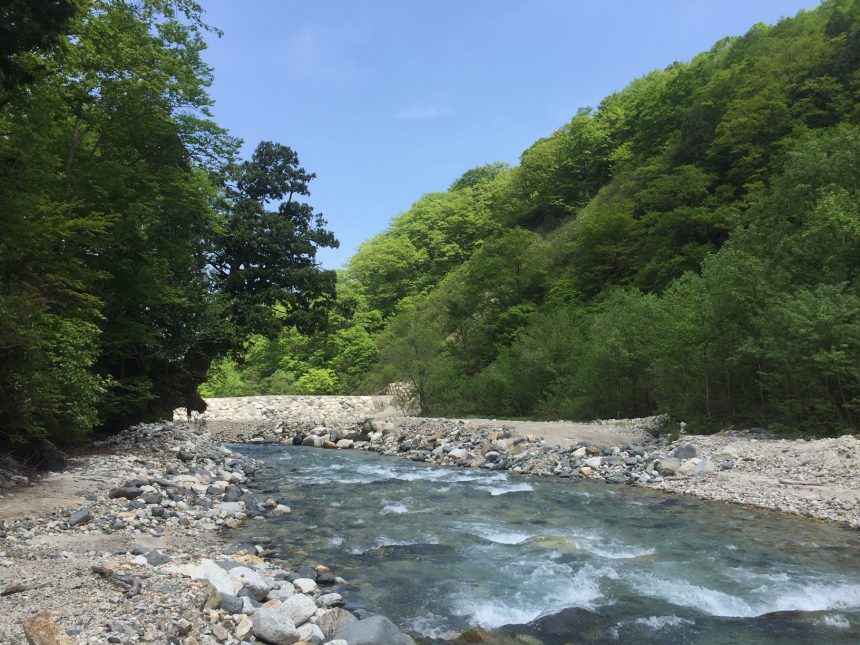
[134, 246]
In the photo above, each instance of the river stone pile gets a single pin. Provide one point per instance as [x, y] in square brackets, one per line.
[168, 481]
[451, 442]
[818, 478]
[162, 492]
[281, 607]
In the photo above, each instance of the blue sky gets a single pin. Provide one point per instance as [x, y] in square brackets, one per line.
[388, 100]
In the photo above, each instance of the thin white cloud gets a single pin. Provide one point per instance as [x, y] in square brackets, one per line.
[326, 55]
[422, 112]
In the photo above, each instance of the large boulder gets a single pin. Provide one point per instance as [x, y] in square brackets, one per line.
[81, 516]
[331, 621]
[299, 608]
[686, 451]
[458, 453]
[129, 492]
[704, 467]
[209, 570]
[251, 581]
[574, 624]
[50, 457]
[669, 466]
[310, 633]
[274, 626]
[313, 441]
[376, 630]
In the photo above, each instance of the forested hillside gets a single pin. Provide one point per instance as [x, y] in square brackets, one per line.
[134, 245]
[691, 245]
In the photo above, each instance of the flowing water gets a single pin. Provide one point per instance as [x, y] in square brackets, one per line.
[439, 550]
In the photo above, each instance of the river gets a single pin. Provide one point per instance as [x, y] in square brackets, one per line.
[440, 550]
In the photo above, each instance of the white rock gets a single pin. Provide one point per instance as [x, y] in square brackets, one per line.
[274, 626]
[230, 508]
[579, 453]
[593, 462]
[305, 585]
[331, 599]
[208, 570]
[311, 633]
[299, 607]
[686, 468]
[243, 628]
[251, 580]
[287, 589]
[705, 467]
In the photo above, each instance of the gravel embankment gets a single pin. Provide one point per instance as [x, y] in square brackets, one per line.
[816, 478]
[131, 543]
[128, 545]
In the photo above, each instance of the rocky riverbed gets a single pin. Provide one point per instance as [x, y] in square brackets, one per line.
[129, 545]
[816, 478]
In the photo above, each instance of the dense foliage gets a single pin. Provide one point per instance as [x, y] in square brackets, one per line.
[691, 245]
[134, 248]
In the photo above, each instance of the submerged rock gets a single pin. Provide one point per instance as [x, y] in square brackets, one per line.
[572, 625]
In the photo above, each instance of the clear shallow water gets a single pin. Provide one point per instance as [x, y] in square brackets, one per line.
[440, 550]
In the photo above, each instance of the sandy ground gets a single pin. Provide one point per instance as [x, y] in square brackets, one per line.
[570, 433]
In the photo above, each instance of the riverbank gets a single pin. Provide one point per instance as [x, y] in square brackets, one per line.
[817, 478]
[131, 544]
[131, 541]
